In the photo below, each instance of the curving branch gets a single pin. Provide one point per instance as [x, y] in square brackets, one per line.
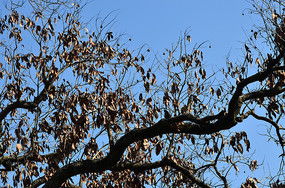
[48, 83]
[275, 125]
[263, 93]
[236, 100]
[8, 161]
[164, 126]
[186, 123]
[15, 105]
[139, 167]
[27, 105]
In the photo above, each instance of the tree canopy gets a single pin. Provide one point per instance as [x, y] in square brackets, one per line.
[80, 108]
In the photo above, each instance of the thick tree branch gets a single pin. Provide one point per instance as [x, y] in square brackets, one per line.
[186, 123]
[15, 105]
[141, 167]
[164, 126]
[236, 102]
[263, 93]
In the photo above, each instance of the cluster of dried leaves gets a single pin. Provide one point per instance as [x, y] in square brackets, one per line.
[79, 103]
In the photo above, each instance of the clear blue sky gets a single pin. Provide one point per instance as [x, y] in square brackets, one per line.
[224, 24]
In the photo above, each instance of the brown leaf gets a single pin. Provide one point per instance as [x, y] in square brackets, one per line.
[247, 143]
[253, 165]
[240, 148]
[145, 144]
[19, 147]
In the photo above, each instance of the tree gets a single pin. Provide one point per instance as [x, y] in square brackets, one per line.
[78, 107]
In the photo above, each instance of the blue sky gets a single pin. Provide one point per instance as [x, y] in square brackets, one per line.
[159, 23]
[225, 25]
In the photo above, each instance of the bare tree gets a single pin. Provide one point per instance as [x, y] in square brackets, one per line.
[77, 107]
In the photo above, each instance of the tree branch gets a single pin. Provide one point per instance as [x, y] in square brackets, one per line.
[275, 125]
[165, 126]
[8, 161]
[139, 167]
[263, 93]
[236, 102]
